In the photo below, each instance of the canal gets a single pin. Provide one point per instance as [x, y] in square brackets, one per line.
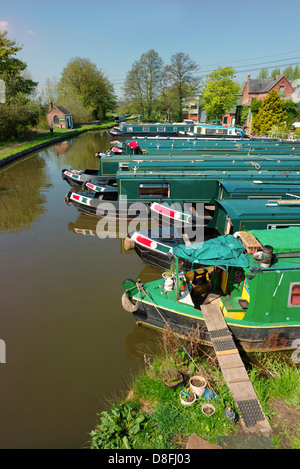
[70, 346]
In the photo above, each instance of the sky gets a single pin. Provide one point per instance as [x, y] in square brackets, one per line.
[113, 34]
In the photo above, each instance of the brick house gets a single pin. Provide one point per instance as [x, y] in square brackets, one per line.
[59, 117]
[260, 88]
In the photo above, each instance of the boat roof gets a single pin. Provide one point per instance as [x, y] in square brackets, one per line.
[263, 186]
[282, 239]
[256, 208]
[224, 250]
[209, 174]
[228, 250]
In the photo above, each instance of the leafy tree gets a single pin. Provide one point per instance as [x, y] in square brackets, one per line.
[292, 73]
[19, 112]
[142, 84]
[180, 76]
[263, 73]
[275, 72]
[255, 106]
[292, 111]
[270, 113]
[219, 92]
[90, 85]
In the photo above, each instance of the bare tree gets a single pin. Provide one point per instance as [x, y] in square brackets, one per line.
[180, 74]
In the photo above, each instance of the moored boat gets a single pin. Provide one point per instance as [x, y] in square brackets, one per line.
[253, 279]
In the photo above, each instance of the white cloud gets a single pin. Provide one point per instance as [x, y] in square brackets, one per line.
[4, 26]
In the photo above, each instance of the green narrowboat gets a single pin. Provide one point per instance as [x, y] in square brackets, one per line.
[202, 160]
[254, 280]
[171, 187]
[158, 128]
[167, 145]
[232, 215]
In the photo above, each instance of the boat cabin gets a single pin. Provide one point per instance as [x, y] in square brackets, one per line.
[218, 131]
[232, 215]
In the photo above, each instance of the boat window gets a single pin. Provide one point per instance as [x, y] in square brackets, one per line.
[284, 225]
[150, 190]
[294, 294]
[161, 129]
[129, 129]
[146, 129]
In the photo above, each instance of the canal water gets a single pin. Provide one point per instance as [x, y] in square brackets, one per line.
[70, 346]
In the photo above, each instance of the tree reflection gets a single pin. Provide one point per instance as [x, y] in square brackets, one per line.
[21, 200]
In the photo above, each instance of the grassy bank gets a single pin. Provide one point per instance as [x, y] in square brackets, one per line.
[35, 138]
[151, 416]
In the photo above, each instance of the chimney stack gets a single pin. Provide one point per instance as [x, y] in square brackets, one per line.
[50, 105]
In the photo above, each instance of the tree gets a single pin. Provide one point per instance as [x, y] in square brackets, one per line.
[270, 113]
[292, 73]
[263, 74]
[180, 76]
[275, 72]
[142, 84]
[89, 84]
[219, 92]
[19, 112]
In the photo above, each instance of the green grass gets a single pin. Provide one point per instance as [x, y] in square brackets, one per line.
[167, 423]
[34, 138]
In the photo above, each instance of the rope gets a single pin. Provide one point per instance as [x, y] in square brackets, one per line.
[175, 335]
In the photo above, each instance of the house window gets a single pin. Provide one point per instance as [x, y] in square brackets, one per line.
[281, 90]
[56, 120]
[294, 294]
[152, 190]
[225, 120]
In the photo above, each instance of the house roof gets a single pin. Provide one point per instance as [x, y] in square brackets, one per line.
[263, 85]
[62, 109]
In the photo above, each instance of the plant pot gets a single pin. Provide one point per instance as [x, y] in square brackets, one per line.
[208, 410]
[198, 385]
[174, 384]
[187, 398]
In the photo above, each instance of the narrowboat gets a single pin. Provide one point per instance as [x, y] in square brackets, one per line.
[232, 215]
[202, 160]
[167, 145]
[149, 128]
[254, 279]
[138, 189]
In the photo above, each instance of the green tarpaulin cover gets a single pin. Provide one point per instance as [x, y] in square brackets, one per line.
[282, 239]
[224, 250]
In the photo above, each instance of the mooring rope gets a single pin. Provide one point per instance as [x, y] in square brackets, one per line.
[166, 323]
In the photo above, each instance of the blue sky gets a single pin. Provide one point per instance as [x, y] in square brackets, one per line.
[114, 33]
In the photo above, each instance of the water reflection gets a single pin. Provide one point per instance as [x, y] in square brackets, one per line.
[61, 314]
[22, 199]
[143, 343]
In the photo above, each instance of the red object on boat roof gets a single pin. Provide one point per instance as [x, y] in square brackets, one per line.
[133, 144]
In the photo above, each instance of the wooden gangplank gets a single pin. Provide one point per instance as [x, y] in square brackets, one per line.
[234, 372]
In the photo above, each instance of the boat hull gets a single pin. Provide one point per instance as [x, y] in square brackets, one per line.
[77, 179]
[103, 206]
[254, 338]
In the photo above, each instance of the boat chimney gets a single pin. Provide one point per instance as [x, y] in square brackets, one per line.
[266, 258]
